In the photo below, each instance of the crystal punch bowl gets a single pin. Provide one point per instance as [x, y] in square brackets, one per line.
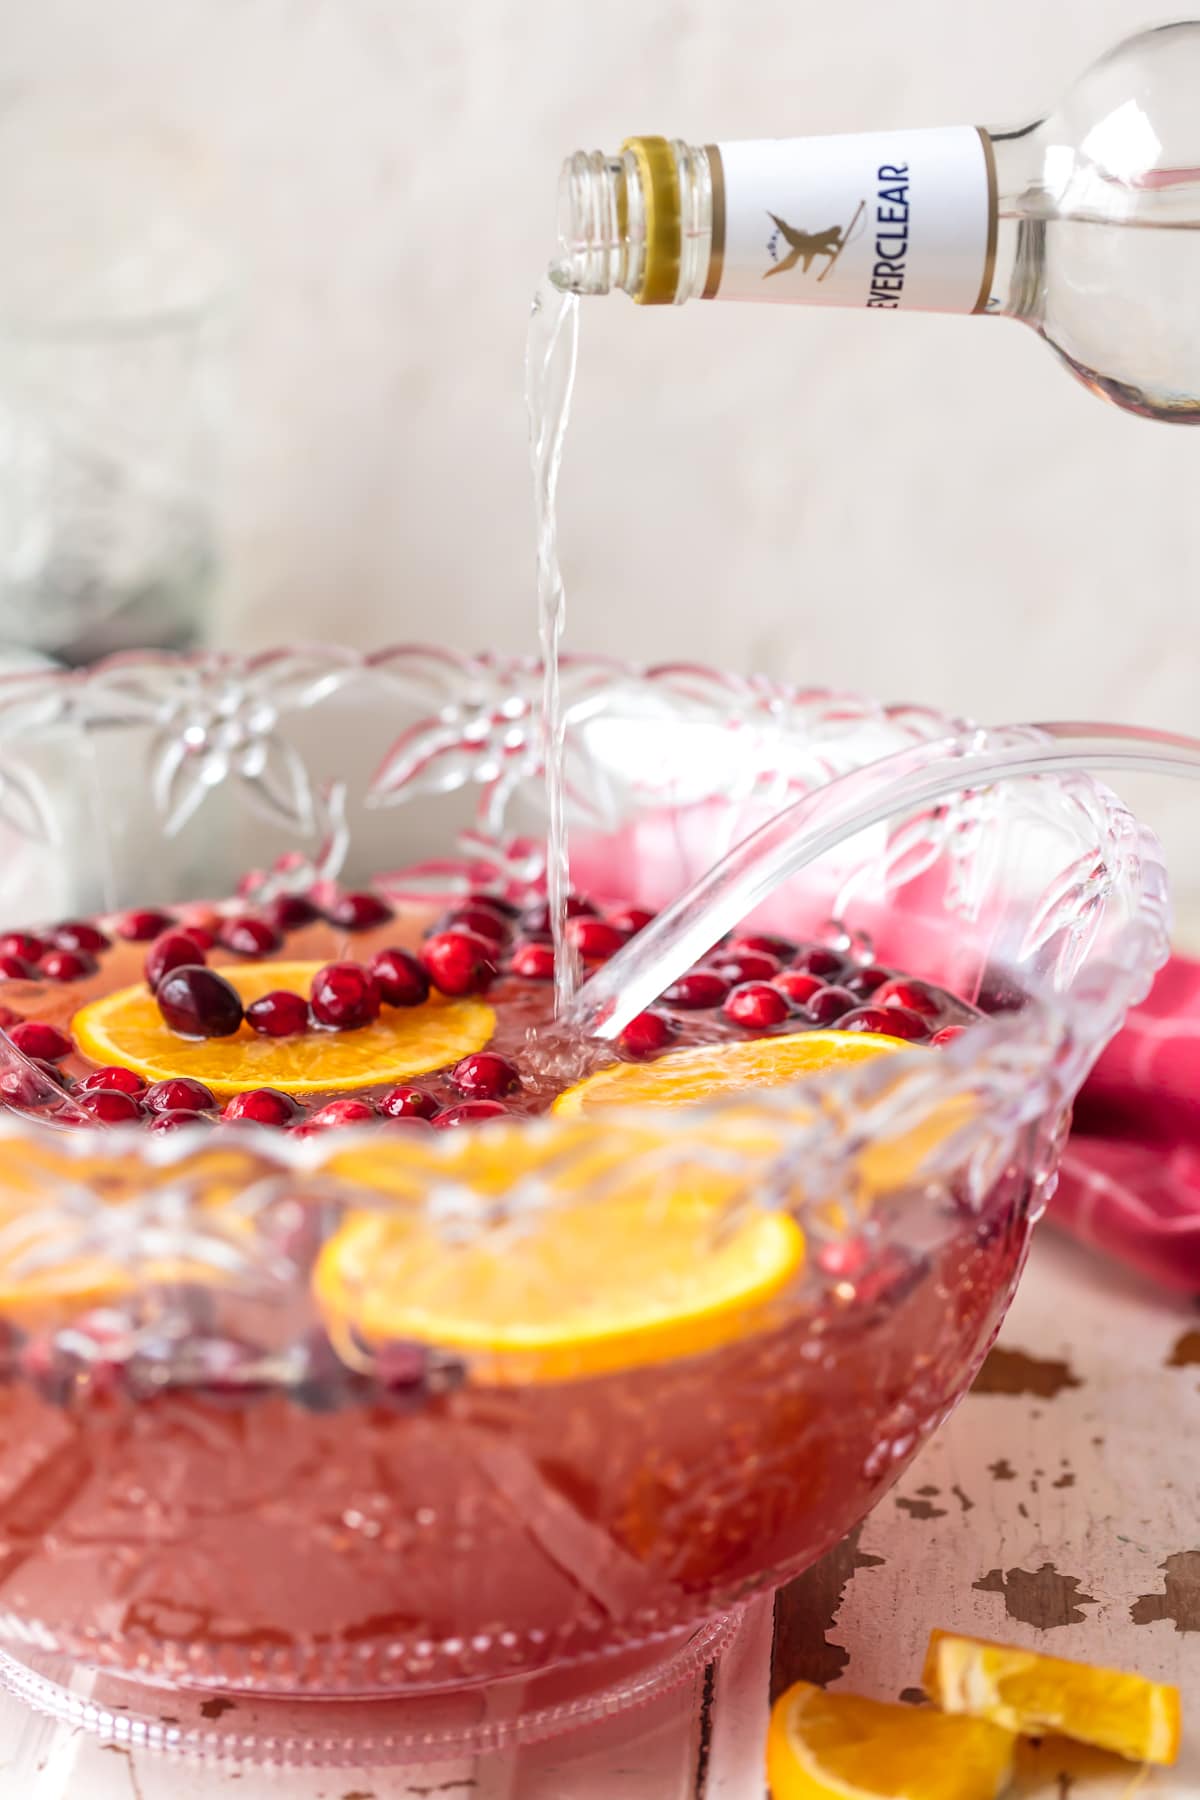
[210, 1483]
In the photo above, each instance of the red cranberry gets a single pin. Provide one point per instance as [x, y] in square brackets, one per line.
[15, 968]
[201, 936]
[249, 936]
[764, 944]
[142, 924]
[200, 914]
[289, 912]
[947, 1034]
[648, 1032]
[580, 907]
[8, 1017]
[697, 991]
[752, 965]
[197, 1002]
[471, 1112]
[342, 1112]
[177, 1121]
[536, 920]
[865, 981]
[756, 1006]
[32, 1086]
[816, 959]
[534, 962]
[180, 1094]
[484, 1076]
[631, 919]
[402, 980]
[914, 995]
[123, 1080]
[264, 1106]
[459, 962]
[358, 912]
[345, 995]
[46, 1043]
[24, 945]
[797, 985]
[843, 1258]
[67, 965]
[409, 1103]
[109, 1105]
[173, 950]
[829, 1004]
[595, 939]
[278, 1014]
[892, 1021]
[508, 909]
[480, 918]
[79, 934]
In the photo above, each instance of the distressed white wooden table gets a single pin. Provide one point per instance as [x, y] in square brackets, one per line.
[1060, 1508]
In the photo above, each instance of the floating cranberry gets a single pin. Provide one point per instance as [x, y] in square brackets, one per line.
[180, 1094]
[485, 1076]
[289, 912]
[749, 965]
[471, 1112]
[480, 918]
[15, 968]
[917, 996]
[409, 1103]
[631, 919]
[756, 1006]
[580, 907]
[843, 1258]
[647, 1033]
[358, 912]
[947, 1034]
[248, 936]
[197, 1002]
[829, 1004]
[533, 962]
[865, 980]
[816, 959]
[797, 985]
[79, 934]
[67, 965]
[142, 924]
[124, 1080]
[595, 939]
[459, 962]
[201, 936]
[263, 1106]
[402, 980]
[278, 1014]
[345, 995]
[176, 1121]
[507, 908]
[24, 945]
[892, 1021]
[764, 943]
[45, 1043]
[110, 1106]
[32, 1086]
[173, 950]
[341, 1112]
[8, 1017]
[697, 991]
[535, 920]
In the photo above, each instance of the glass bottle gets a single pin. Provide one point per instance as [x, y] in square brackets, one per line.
[1084, 225]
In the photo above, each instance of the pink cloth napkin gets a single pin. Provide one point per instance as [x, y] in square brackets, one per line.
[1130, 1179]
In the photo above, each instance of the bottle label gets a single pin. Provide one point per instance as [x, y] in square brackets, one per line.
[896, 220]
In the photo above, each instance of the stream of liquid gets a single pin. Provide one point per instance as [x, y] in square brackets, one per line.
[550, 357]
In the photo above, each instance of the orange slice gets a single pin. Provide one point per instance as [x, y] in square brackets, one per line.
[839, 1747]
[126, 1027]
[1035, 1695]
[553, 1254]
[713, 1071]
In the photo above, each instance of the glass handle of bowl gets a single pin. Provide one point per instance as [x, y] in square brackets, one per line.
[915, 777]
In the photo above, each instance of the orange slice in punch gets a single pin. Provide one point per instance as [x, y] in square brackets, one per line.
[126, 1027]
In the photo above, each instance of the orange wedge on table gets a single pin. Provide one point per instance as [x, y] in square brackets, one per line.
[839, 1747]
[1036, 1695]
[126, 1027]
[624, 1252]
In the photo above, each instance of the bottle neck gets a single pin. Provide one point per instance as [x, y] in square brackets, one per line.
[912, 220]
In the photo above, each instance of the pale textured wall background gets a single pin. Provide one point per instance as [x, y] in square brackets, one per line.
[925, 508]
